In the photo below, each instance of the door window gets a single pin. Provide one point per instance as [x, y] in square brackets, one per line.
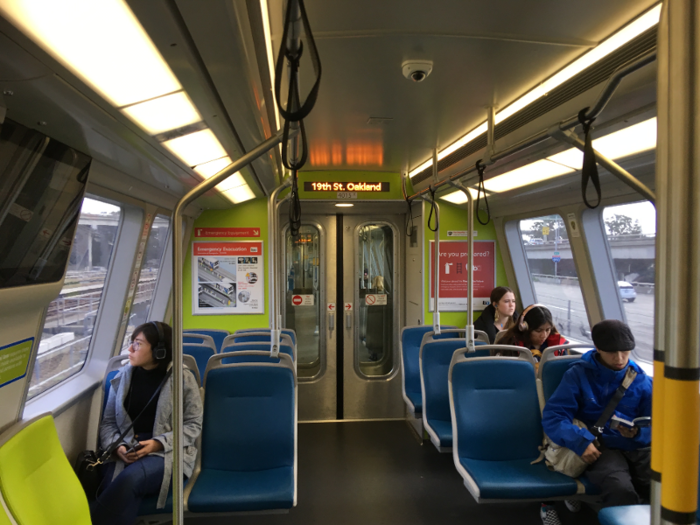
[303, 296]
[375, 299]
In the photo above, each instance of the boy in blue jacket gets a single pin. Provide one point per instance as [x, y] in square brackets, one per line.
[620, 467]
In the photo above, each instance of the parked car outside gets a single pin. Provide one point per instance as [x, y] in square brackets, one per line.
[627, 291]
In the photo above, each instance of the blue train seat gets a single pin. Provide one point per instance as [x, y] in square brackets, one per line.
[252, 337]
[288, 331]
[256, 346]
[201, 354]
[411, 338]
[217, 335]
[497, 429]
[199, 339]
[247, 460]
[434, 363]
[552, 368]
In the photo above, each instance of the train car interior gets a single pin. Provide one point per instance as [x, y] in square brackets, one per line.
[319, 198]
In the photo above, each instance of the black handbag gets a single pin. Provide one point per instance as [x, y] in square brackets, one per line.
[87, 464]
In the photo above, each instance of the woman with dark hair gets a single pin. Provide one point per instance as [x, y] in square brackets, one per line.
[499, 315]
[536, 331]
[141, 394]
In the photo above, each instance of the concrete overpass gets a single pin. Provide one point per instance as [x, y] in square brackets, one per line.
[623, 247]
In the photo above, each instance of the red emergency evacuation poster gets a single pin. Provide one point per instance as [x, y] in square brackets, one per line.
[454, 277]
[227, 277]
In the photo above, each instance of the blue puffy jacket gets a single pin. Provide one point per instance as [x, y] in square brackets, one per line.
[583, 393]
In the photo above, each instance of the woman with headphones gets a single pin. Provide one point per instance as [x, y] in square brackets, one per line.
[535, 330]
[138, 415]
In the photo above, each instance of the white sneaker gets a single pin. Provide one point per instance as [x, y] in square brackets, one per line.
[573, 505]
[549, 515]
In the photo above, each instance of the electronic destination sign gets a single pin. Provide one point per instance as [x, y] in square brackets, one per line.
[364, 187]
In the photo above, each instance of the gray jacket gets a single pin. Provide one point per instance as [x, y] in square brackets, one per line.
[116, 420]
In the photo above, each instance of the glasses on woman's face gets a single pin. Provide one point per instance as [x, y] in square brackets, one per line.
[137, 344]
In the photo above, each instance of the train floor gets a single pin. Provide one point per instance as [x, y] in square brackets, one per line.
[376, 473]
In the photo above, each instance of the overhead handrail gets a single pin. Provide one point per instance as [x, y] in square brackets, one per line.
[491, 156]
[177, 239]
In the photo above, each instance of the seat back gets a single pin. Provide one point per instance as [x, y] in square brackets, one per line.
[217, 335]
[552, 368]
[113, 366]
[287, 331]
[201, 354]
[252, 337]
[434, 360]
[249, 416]
[199, 339]
[37, 482]
[255, 346]
[495, 410]
[411, 338]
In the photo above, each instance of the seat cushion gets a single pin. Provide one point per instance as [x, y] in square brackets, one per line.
[517, 479]
[625, 515]
[227, 491]
[444, 431]
[591, 488]
[417, 400]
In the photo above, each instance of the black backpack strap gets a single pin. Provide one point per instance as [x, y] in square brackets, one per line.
[597, 429]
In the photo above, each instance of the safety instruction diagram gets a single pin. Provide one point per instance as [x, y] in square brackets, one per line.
[227, 277]
[454, 276]
[14, 360]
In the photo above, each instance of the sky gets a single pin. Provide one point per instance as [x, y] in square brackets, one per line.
[96, 207]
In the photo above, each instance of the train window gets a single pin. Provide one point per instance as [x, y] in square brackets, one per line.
[375, 269]
[148, 276]
[303, 296]
[553, 274]
[71, 317]
[631, 234]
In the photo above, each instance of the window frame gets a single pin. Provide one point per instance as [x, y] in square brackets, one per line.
[64, 394]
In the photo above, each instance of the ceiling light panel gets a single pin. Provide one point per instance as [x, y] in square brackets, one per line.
[620, 38]
[458, 197]
[240, 194]
[196, 148]
[164, 113]
[634, 139]
[100, 41]
[526, 175]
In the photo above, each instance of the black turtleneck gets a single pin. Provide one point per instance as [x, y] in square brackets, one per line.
[144, 383]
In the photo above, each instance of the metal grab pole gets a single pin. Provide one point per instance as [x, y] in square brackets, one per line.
[178, 373]
[436, 265]
[680, 422]
[470, 273]
[660, 185]
[272, 221]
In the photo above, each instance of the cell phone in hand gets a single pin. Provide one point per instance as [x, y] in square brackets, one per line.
[135, 448]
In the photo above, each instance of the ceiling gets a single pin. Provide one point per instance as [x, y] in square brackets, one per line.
[484, 53]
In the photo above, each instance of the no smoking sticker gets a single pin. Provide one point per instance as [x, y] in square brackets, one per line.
[375, 299]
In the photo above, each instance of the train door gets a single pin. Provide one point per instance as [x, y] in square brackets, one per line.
[342, 282]
[372, 287]
[308, 284]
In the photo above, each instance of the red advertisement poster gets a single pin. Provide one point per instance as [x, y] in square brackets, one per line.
[454, 276]
[227, 232]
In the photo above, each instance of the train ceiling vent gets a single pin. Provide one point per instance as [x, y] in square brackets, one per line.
[576, 85]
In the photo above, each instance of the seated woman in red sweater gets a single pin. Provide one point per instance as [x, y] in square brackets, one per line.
[535, 330]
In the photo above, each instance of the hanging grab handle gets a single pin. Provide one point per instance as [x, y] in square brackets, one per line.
[590, 167]
[432, 210]
[479, 190]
